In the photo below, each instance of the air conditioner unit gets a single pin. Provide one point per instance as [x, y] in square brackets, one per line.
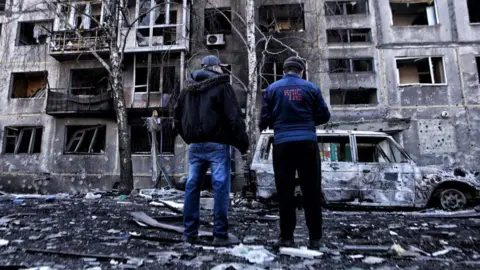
[215, 40]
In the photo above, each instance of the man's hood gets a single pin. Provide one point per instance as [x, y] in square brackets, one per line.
[201, 80]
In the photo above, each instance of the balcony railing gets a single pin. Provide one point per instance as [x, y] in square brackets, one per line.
[61, 101]
[79, 41]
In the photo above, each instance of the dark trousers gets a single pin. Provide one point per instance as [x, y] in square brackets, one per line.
[302, 157]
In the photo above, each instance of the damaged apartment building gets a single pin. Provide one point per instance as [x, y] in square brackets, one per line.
[406, 67]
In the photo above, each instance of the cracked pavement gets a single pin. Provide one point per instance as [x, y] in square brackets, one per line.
[104, 226]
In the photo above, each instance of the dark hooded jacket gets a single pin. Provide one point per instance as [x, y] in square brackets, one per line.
[207, 110]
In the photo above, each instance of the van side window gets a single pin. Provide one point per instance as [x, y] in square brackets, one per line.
[335, 148]
[379, 149]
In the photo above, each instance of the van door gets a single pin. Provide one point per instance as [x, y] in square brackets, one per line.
[386, 173]
[339, 172]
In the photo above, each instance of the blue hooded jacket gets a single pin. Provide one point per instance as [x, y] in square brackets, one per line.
[293, 107]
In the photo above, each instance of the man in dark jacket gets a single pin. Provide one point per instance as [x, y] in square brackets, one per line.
[293, 107]
[208, 118]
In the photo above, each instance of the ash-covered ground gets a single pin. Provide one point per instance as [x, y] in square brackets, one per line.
[101, 234]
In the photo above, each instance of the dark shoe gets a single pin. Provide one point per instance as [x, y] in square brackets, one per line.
[283, 243]
[314, 244]
[225, 241]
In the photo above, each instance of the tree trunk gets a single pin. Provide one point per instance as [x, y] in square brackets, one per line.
[251, 109]
[116, 78]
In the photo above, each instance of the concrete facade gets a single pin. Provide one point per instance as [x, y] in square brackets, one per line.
[444, 116]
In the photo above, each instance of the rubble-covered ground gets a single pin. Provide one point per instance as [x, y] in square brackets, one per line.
[31, 229]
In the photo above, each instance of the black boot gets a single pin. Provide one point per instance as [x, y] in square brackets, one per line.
[314, 244]
[225, 241]
[281, 242]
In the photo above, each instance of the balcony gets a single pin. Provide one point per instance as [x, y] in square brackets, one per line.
[157, 27]
[70, 44]
[60, 102]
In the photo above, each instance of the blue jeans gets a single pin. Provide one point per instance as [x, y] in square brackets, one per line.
[201, 156]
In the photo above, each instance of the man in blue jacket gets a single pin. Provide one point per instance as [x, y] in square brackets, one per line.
[293, 107]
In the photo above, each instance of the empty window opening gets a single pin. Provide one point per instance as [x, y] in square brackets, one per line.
[89, 81]
[272, 72]
[474, 10]
[2, 5]
[426, 70]
[29, 84]
[142, 138]
[413, 13]
[23, 140]
[379, 149]
[350, 65]
[282, 18]
[83, 16]
[361, 96]
[335, 148]
[478, 67]
[33, 33]
[346, 7]
[349, 35]
[218, 21]
[85, 139]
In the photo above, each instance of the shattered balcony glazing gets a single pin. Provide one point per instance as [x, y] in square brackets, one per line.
[79, 29]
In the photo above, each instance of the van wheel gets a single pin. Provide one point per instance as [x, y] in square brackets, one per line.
[452, 199]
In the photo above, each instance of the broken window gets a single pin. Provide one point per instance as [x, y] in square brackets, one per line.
[474, 10]
[272, 72]
[152, 76]
[335, 148]
[361, 96]
[142, 138]
[23, 140]
[346, 7]
[157, 23]
[92, 81]
[2, 5]
[478, 67]
[425, 70]
[33, 33]
[29, 84]
[80, 16]
[282, 18]
[413, 12]
[349, 35]
[379, 149]
[218, 21]
[85, 139]
[350, 65]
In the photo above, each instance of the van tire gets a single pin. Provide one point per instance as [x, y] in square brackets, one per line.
[452, 199]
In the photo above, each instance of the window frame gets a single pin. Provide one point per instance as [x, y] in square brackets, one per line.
[402, 150]
[148, 153]
[353, 152]
[343, 4]
[218, 11]
[25, 73]
[351, 65]
[85, 128]
[150, 66]
[432, 74]
[19, 138]
[50, 24]
[437, 18]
